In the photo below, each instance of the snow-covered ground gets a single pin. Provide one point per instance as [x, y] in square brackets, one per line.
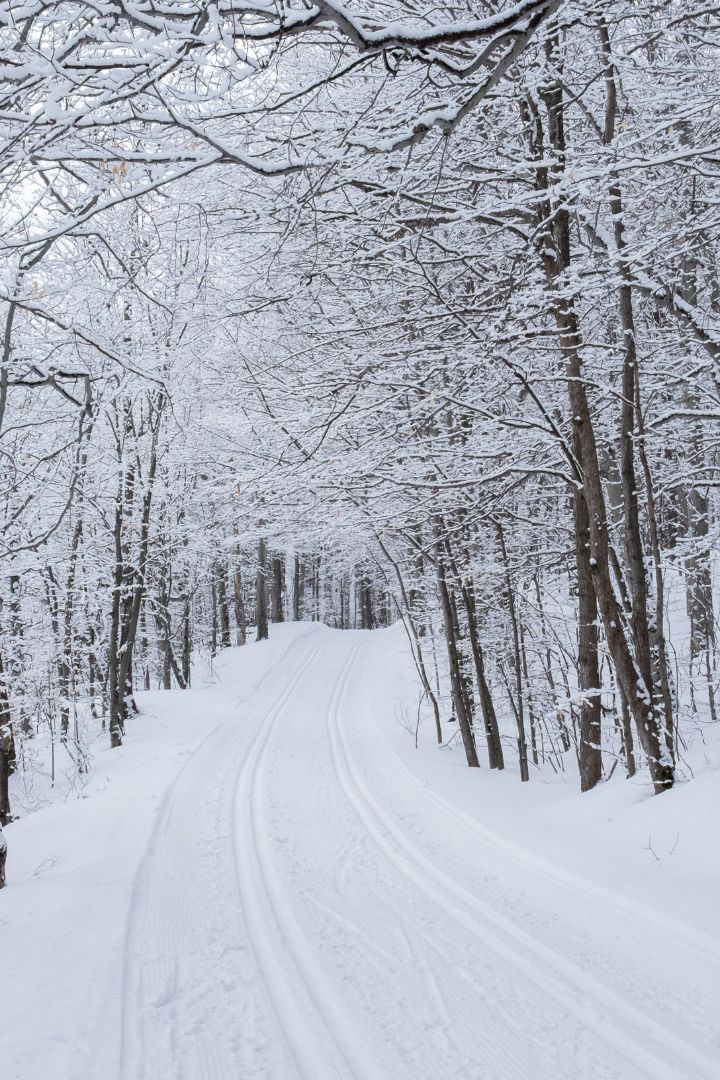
[269, 882]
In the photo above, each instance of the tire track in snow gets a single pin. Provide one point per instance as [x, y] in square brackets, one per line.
[320, 1038]
[615, 1019]
[166, 908]
[506, 1054]
[694, 939]
[699, 984]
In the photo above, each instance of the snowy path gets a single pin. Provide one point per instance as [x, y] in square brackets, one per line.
[309, 909]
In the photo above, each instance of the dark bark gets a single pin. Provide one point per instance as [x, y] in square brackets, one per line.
[116, 705]
[365, 593]
[186, 640]
[261, 592]
[555, 253]
[277, 588]
[223, 605]
[162, 621]
[629, 413]
[458, 689]
[529, 694]
[213, 619]
[496, 759]
[239, 599]
[589, 749]
[129, 579]
[7, 750]
[517, 660]
[316, 563]
[298, 589]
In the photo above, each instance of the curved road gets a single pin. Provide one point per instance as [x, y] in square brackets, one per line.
[308, 911]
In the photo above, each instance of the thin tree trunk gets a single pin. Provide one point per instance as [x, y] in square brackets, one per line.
[261, 591]
[520, 711]
[297, 596]
[277, 576]
[187, 641]
[213, 618]
[223, 605]
[496, 759]
[240, 616]
[630, 413]
[589, 749]
[7, 750]
[414, 637]
[457, 683]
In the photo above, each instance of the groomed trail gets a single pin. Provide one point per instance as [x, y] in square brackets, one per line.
[309, 909]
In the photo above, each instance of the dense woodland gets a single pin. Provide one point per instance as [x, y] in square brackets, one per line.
[356, 315]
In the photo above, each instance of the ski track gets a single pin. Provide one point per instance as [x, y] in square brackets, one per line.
[681, 984]
[296, 917]
[694, 939]
[315, 1030]
[211, 1023]
[615, 1019]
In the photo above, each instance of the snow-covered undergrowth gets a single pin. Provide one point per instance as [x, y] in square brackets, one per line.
[620, 836]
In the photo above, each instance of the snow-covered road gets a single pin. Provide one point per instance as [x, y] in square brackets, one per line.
[269, 882]
[308, 907]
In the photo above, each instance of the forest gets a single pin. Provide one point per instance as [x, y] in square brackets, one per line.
[366, 315]
[308, 316]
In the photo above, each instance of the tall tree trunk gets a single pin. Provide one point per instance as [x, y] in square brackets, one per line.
[261, 592]
[367, 616]
[223, 605]
[213, 619]
[517, 664]
[316, 563]
[277, 581]
[555, 254]
[589, 749]
[7, 750]
[298, 585]
[458, 689]
[636, 562]
[162, 620]
[116, 707]
[130, 579]
[240, 616]
[492, 731]
[187, 640]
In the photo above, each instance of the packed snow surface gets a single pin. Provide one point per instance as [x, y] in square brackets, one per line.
[270, 882]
